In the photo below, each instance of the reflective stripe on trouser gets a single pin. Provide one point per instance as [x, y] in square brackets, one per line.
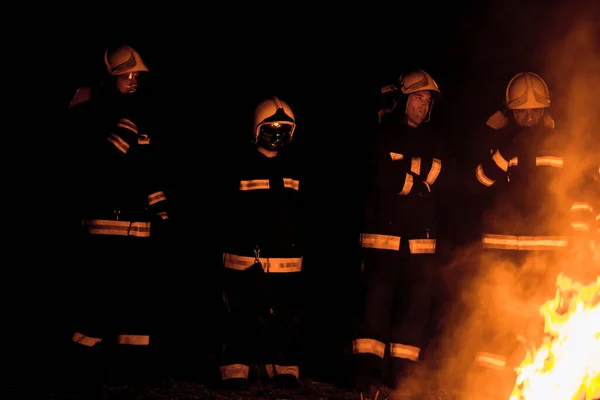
[281, 265]
[408, 352]
[371, 346]
[234, 371]
[138, 340]
[490, 360]
[274, 369]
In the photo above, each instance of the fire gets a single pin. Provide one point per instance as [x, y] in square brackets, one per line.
[566, 366]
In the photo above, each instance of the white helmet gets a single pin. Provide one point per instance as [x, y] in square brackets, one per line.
[527, 90]
[123, 60]
[416, 81]
[274, 124]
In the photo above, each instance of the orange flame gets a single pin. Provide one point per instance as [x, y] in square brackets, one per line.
[567, 364]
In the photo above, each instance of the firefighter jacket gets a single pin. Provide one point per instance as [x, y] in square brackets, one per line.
[119, 186]
[406, 168]
[524, 173]
[261, 215]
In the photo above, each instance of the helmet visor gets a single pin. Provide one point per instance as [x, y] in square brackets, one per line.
[276, 134]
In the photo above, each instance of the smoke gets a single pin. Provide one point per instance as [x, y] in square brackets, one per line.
[572, 69]
[491, 293]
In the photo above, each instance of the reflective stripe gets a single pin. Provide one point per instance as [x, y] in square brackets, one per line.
[242, 263]
[388, 242]
[156, 197]
[510, 242]
[500, 161]
[371, 346]
[282, 369]
[422, 246]
[127, 124]
[408, 184]
[482, 178]
[490, 360]
[259, 184]
[255, 184]
[434, 172]
[549, 161]
[117, 228]
[405, 351]
[375, 241]
[143, 139]
[142, 340]
[582, 206]
[119, 143]
[291, 183]
[85, 340]
[580, 226]
[415, 165]
[233, 371]
[396, 156]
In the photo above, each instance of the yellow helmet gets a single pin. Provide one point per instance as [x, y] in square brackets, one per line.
[123, 60]
[527, 90]
[274, 123]
[416, 81]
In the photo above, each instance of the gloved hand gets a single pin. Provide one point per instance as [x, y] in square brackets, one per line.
[421, 188]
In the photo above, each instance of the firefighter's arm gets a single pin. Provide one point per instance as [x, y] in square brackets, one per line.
[492, 169]
[394, 176]
[123, 136]
[489, 166]
[151, 168]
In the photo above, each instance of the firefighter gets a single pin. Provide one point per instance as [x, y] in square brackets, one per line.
[398, 238]
[119, 205]
[263, 253]
[525, 232]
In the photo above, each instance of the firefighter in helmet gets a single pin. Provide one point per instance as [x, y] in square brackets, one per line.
[525, 227]
[263, 252]
[398, 238]
[120, 205]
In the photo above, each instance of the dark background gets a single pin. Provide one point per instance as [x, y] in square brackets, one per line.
[209, 68]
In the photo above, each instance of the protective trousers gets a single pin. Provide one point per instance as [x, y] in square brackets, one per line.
[501, 315]
[394, 315]
[115, 304]
[264, 327]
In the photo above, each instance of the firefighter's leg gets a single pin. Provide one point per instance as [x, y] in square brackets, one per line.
[136, 349]
[283, 349]
[493, 337]
[410, 320]
[88, 339]
[372, 331]
[241, 332]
